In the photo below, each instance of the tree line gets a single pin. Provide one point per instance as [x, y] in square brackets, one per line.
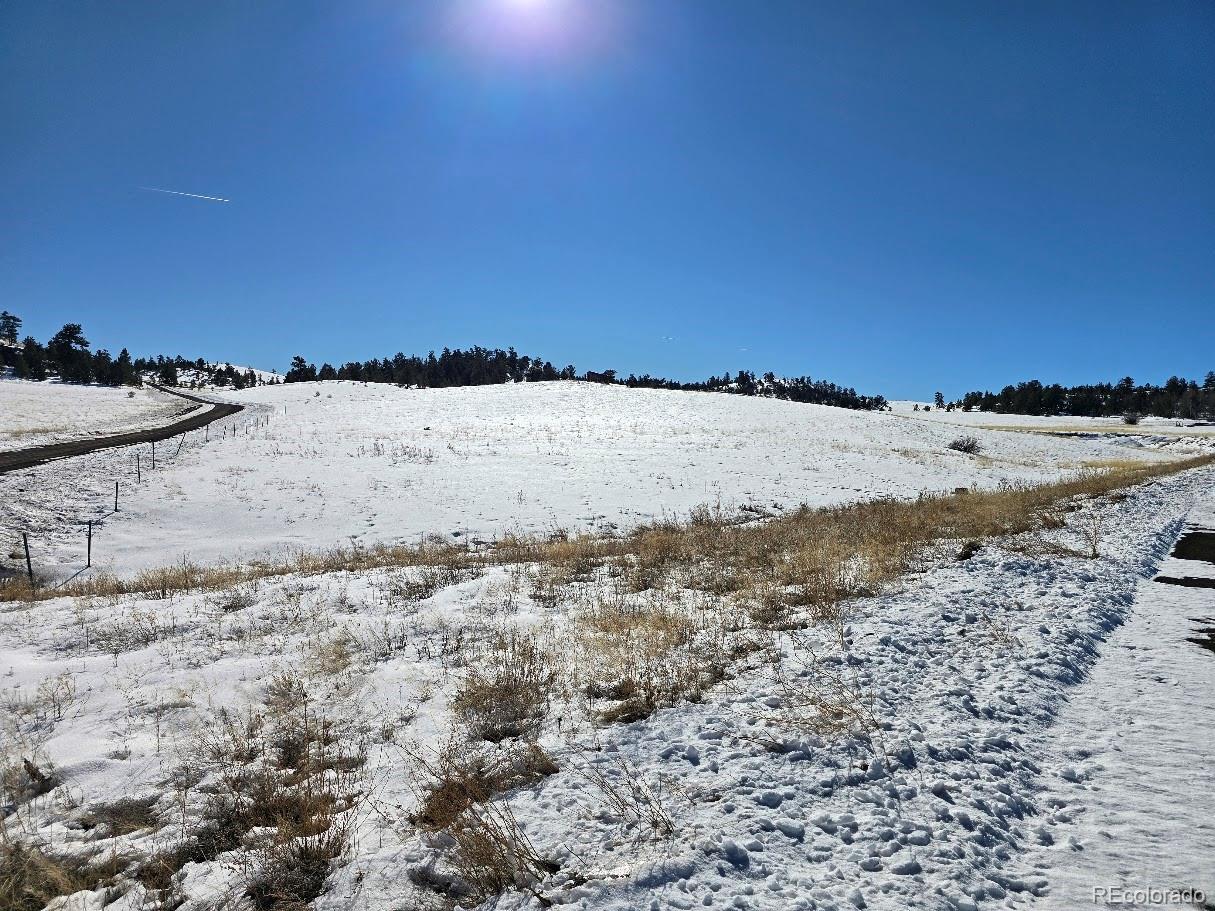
[794, 389]
[475, 367]
[69, 356]
[1177, 398]
[479, 366]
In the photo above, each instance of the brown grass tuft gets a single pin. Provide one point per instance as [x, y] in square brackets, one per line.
[32, 876]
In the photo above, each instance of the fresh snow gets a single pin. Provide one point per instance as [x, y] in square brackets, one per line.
[1044, 726]
[314, 465]
[1167, 430]
[37, 413]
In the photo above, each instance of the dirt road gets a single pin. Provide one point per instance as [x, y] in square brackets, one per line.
[36, 455]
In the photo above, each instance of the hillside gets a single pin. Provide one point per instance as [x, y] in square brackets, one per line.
[35, 413]
[314, 465]
[898, 700]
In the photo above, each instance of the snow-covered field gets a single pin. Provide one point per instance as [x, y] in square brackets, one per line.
[1148, 426]
[1036, 724]
[34, 414]
[320, 464]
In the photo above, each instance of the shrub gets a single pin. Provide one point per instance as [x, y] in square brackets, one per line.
[509, 696]
[493, 854]
[1132, 418]
[292, 874]
[461, 776]
[968, 445]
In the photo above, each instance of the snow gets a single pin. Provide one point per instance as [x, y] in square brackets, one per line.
[1148, 426]
[37, 413]
[192, 378]
[1136, 753]
[1041, 726]
[314, 465]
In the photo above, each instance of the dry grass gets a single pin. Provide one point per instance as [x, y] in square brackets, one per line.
[32, 876]
[641, 655]
[279, 786]
[657, 617]
[493, 854]
[122, 817]
[488, 850]
[186, 576]
[1095, 428]
[505, 693]
[461, 775]
[629, 798]
[710, 551]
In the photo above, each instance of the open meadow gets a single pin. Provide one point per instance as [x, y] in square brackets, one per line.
[565, 644]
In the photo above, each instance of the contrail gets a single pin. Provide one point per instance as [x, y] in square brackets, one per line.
[192, 195]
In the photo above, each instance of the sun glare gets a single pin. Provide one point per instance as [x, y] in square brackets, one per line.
[531, 29]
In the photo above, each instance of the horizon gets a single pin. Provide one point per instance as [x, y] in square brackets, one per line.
[895, 200]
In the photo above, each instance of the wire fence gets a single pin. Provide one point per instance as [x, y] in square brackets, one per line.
[143, 461]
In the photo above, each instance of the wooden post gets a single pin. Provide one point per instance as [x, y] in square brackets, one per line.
[89, 562]
[138, 475]
[206, 433]
[29, 567]
[153, 455]
[115, 496]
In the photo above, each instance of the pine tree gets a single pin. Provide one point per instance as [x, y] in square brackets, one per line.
[125, 371]
[69, 349]
[10, 326]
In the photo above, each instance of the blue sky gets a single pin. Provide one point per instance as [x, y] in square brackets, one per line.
[901, 197]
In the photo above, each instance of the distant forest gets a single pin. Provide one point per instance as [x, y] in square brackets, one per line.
[68, 355]
[794, 389]
[1177, 398]
[484, 366]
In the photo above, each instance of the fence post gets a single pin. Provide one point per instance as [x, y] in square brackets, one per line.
[29, 567]
[153, 455]
[115, 496]
[138, 474]
[89, 562]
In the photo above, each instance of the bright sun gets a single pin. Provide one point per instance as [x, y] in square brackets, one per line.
[531, 29]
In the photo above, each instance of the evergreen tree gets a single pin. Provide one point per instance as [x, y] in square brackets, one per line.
[124, 369]
[10, 326]
[34, 357]
[69, 350]
[301, 371]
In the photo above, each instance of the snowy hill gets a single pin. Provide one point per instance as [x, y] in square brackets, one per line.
[905, 704]
[36, 413]
[321, 464]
